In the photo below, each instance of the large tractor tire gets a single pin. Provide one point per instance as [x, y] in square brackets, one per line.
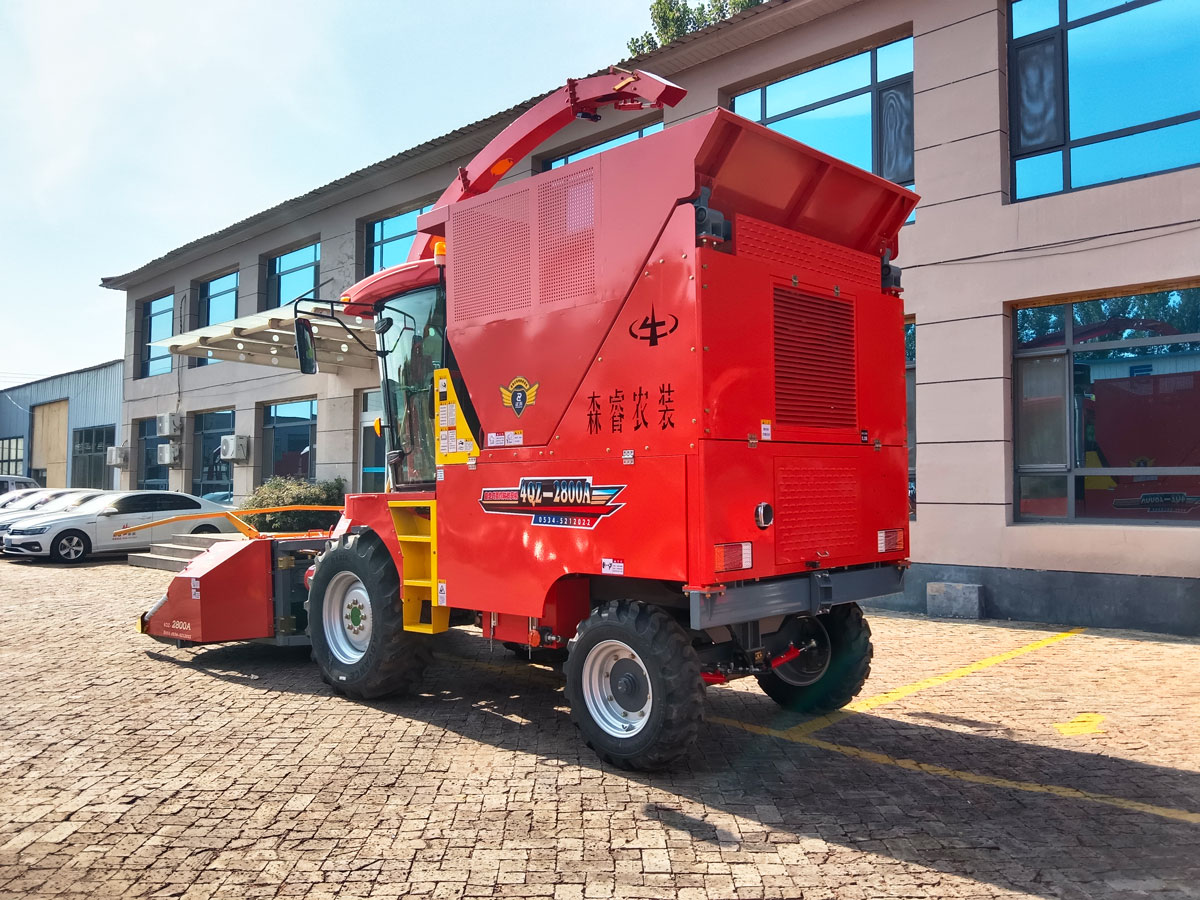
[633, 683]
[356, 622]
[832, 671]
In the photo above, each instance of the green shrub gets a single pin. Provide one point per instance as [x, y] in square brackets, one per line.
[294, 492]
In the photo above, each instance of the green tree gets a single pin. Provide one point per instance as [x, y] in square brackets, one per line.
[672, 19]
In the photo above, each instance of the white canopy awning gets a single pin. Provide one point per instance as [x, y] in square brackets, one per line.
[269, 339]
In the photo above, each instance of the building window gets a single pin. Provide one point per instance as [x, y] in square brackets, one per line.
[859, 109]
[290, 439]
[89, 447]
[216, 303]
[158, 322]
[292, 275]
[910, 394]
[1105, 394]
[12, 456]
[372, 449]
[211, 475]
[389, 240]
[150, 475]
[1101, 91]
[600, 148]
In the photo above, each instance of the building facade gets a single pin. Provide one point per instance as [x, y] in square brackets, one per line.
[58, 430]
[1052, 283]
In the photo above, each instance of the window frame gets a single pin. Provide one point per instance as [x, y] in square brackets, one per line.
[12, 451]
[1058, 33]
[1069, 471]
[565, 159]
[99, 434]
[198, 433]
[369, 244]
[203, 308]
[146, 330]
[267, 443]
[272, 299]
[874, 89]
[144, 444]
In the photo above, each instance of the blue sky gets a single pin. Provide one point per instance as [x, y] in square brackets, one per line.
[130, 127]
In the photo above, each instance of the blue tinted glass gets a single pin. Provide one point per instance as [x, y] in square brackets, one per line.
[749, 105]
[1134, 68]
[222, 309]
[894, 59]
[294, 284]
[224, 283]
[840, 129]
[300, 257]
[394, 252]
[160, 327]
[1039, 175]
[298, 411]
[653, 129]
[558, 162]
[1029, 16]
[820, 84]
[600, 148]
[401, 224]
[1078, 9]
[162, 304]
[159, 362]
[1137, 154]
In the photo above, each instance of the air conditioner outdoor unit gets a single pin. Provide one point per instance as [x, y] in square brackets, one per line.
[235, 447]
[117, 456]
[168, 453]
[170, 425]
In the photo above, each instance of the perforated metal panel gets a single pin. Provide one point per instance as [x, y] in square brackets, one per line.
[817, 510]
[492, 275]
[803, 252]
[567, 238]
[814, 361]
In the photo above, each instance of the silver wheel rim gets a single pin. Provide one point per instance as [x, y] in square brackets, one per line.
[346, 615]
[616, 689]
[70, 546]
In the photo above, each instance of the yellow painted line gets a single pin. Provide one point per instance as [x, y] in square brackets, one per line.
[1084, 723]
[806, 729]
[912, 765]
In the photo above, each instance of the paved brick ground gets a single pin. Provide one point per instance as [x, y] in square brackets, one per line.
[128, 768]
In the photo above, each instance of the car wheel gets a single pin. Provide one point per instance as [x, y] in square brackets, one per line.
[205, 529]
[71, 547]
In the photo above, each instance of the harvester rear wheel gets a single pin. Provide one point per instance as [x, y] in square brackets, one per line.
[633, 683]
[356, 622]
[832, 673]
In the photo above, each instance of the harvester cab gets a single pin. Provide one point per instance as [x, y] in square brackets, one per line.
[645, 411]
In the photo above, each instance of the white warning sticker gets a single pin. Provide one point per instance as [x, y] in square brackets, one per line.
[766, 430]
[514, 438]
[441, 597]
[612, 566]
[495, 439]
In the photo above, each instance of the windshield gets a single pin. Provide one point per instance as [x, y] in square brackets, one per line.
[7, 500]
[98, 502]
[414, 346]
[67, 501]
[30, 501]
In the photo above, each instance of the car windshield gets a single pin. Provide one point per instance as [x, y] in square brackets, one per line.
[30, 501]
[98, 503]
[67, 501]
[6, 500]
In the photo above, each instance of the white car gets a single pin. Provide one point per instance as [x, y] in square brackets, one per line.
[54, 501]
[7, 500]
[16, 483]
[72, 535]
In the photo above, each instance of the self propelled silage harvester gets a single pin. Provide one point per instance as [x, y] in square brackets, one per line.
[646, 408]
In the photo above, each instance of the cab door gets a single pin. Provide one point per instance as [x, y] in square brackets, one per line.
[132, 509]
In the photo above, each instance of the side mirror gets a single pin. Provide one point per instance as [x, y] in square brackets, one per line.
[306, 347]
[108, 511]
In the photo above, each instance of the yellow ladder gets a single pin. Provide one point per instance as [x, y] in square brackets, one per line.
[416, 529]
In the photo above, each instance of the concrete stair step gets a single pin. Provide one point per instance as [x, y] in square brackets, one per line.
[182, 551]
[204, 541]
[157, 561]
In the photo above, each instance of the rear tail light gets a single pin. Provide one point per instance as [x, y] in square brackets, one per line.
[890, 540]
[732, 557]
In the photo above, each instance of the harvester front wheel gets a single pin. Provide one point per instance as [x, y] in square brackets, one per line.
[633, 683]
[834, 666]
[356, 622]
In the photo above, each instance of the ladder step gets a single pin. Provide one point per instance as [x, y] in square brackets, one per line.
[419, 582]
[415, 538]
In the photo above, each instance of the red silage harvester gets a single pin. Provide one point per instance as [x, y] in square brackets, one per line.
[645, 410]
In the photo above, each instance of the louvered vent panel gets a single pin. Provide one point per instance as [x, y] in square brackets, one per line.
[814, 361]
[491, 259]
[567, 238]
[802, 251]
[817, 509]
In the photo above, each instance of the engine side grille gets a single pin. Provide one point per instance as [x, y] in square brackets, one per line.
[567, 239]
[817, 511]
[491, 261]
[814, 361]
[797, 250]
